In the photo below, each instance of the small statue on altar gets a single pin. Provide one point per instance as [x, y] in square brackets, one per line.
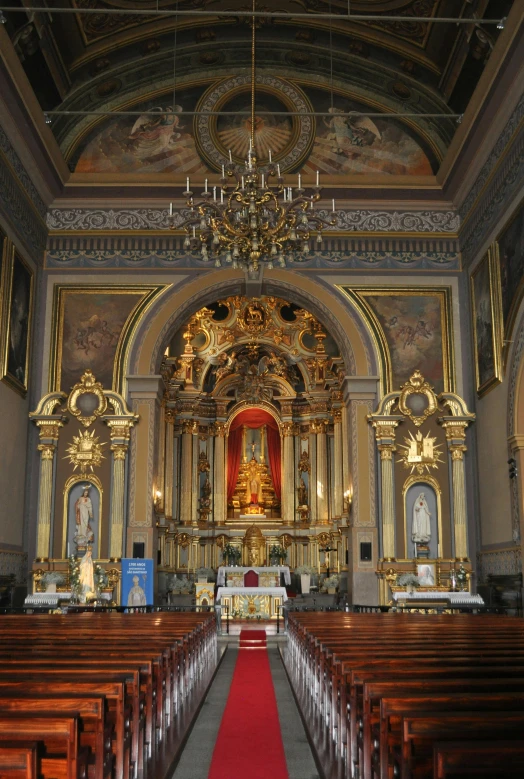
[87, 576]
[302, 493]
[254, 482]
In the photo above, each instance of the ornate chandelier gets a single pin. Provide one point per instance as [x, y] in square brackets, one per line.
[248, 219]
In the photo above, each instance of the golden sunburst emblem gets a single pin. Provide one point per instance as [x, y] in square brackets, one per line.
[420, 453]
[85, 452]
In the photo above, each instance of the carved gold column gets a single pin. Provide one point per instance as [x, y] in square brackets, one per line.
[244, 435]
[195, 491]
[186, 480]
[219, 481]
[263, 445]
[322, 474]
[160, 462]
[338, 488]
[288, 480]
[456, 436]
[49, 431]
[385, 435]
[313, 479]
[169, 462]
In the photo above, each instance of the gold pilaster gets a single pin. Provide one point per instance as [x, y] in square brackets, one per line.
[160, 462]
[338, 502]
[220, 474]
[49, 430]
[263, 445]
[385, 436]
[120, 432]
[169, 464]
[288, 481]
[313, 478]
[186, 480]
[455, 430]
[322, 474]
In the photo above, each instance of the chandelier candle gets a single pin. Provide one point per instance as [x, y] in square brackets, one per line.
[257, 219]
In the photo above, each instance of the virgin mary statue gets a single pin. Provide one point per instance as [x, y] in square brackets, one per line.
[421, 527]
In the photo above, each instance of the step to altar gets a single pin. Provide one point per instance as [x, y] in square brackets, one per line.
[252, 639]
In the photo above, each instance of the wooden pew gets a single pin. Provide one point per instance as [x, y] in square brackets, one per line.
[19, 759]
[486, 760]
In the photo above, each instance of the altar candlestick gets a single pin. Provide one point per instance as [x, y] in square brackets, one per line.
[187, 184]
[205, 189]
[263, 181]
[299, 181]
[318, 178]
[270, 155]
[230, 156]
[333, 205]
[438, 551]
[278, 169]
[171, 209]
[221, 198]
[223, 172]
[68, 549]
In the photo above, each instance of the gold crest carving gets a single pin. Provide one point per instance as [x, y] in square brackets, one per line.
[253, 318]
[420, 453]
[85, 452]
[87, 385]
[417, 386]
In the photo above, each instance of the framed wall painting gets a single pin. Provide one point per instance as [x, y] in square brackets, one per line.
[509, 249]
[486, 298]
[412, 328]
[16, 331]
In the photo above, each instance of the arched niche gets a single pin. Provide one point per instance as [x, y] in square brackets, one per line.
[83, 497]
[413, 487]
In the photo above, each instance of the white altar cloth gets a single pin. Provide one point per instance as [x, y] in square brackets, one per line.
[455, 598]
[51, 599]
[221, 576]
[279, 592]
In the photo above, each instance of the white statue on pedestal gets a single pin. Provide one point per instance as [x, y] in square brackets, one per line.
[421, 526]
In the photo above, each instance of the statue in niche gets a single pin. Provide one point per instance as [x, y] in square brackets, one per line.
[83, 517]
[205, 500]
[254, 484]
[302, 492]
[421, 525]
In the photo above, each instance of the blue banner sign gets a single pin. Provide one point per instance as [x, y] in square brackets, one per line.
[137, 582]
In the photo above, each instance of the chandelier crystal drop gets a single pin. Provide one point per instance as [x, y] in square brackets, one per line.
[253, 218]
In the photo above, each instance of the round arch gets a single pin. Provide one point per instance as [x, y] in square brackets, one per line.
[176, 305]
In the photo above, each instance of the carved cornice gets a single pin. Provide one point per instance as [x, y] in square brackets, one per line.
[86, 219]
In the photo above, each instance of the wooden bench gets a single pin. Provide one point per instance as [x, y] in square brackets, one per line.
[488, 759]
[19, 759]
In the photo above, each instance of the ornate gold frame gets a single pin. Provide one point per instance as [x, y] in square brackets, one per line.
[427, 479]
[507, 327]
[150, 293]
[495, 296]
[10, 256]
[65, 494]
[357, 295]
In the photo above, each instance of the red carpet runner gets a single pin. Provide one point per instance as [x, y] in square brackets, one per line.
[249, 743]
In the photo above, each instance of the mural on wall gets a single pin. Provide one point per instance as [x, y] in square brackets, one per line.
[415, 325]
[511, 259]
[15, 340]
[90, 325]
[167, 140]
[487, 322]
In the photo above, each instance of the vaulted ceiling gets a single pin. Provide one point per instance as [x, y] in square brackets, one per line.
[102, 62]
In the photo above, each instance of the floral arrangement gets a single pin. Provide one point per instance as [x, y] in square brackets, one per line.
[53, 577]
[231, 554]
[330, 583]
[277, 554]
[100, 577]
[408, 580]
[207, 572]
[305, 570]
[74, 575]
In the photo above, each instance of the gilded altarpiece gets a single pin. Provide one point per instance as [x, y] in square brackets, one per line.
[421, 445]
[83, 445]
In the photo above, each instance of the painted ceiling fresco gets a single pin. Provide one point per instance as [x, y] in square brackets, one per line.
[167, 140]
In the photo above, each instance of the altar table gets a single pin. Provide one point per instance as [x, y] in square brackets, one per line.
[252, 600]
[237, 569]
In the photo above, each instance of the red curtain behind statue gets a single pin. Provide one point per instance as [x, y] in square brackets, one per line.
[253, 418]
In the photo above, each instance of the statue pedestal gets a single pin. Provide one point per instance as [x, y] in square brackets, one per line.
[422, 551]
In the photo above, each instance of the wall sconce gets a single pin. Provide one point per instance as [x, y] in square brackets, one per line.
[157, 501]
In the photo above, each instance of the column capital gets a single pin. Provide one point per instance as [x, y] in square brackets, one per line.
[385, 426]
[49, 427]
[288, 429]
[119, 451]
[454, 427]
[386, 451]
[47, 451]
[218, 429]
[189, 426]
[360, 387]
[457, 451]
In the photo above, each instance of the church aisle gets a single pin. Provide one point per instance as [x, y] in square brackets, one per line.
[229, 730]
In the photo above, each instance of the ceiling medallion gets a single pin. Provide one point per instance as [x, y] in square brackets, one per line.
[252, 218]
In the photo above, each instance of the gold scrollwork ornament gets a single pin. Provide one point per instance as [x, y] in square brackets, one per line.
[417, 386]
[87, 385]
